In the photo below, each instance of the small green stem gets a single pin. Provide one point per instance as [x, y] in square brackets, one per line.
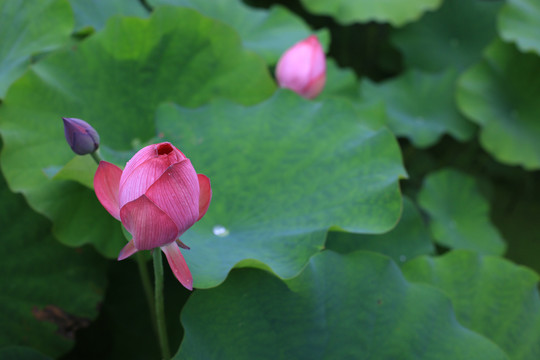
[95, 155]
[147, 287]
[160, 307]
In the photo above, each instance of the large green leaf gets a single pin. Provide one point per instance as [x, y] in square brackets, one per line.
[459, 214]
[499, 94]
[519, 21]
[453, 36]
[48, 290]
[407, 240]
[282, 173]
[114, 80]
[21, 353]
[421, 106]
[269, 33]
[92, 15]
[396, 12]
[491, 296]
[356, 306]
[343, 83]
[80, 169]
[28, 28]
[339, 82]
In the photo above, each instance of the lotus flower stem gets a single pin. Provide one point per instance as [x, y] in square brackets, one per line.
[148, 291]
[160, 308]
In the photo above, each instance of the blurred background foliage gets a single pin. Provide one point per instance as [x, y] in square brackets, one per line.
[394, 216]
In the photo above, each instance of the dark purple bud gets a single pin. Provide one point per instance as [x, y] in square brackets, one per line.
[81, 137]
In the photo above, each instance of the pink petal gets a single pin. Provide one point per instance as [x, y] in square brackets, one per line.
[315, 87]
[176, 192]
[294, 68]
[318, 59]
[148, 224]
[151, 152]
[106, 185]
[205, 194]
[178, 265]
[127, 251]
[147, 152]
[145, 167]
[141, 178]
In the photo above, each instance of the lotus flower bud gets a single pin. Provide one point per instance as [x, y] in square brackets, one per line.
[157, 197]
[81, 137]
[302, 68]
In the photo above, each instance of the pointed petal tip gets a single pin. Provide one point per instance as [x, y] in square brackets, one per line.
[182, 245]
[178, 265]
[127, 251]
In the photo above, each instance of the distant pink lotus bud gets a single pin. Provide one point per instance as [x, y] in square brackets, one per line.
[157, 197]
[81, 137]
[302, 68]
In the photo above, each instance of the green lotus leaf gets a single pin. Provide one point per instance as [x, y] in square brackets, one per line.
[343, 83]
[339, 82]
[519, 21]
[269, 33]
[453, 36]
[410, 238]
[499, 94]
[491, 296]
[28, 28]
[21, 353]
[356, 306]
[459, 214]
[48, 290]
[421, 106]
[80, 169]
[92, 15]
[283, 172]
[395, 12]
[373, 113]
[114, 80]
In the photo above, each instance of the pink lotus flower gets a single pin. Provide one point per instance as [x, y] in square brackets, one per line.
[302, 68]
[157, 197]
